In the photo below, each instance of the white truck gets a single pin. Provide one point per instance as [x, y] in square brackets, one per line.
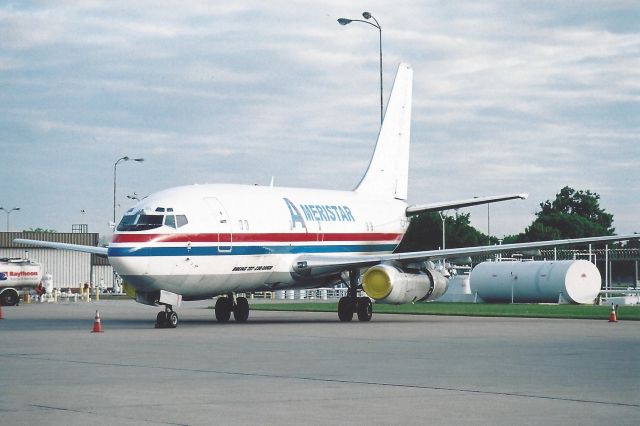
[17, 276]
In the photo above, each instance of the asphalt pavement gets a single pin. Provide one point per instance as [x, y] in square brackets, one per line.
[308, 368]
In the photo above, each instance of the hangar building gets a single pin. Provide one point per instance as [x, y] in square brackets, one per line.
[69, 269]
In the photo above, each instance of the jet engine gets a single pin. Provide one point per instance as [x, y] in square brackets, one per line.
[390, 284]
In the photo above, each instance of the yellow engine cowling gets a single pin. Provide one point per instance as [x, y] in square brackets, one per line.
[129, 290]
[389, 284]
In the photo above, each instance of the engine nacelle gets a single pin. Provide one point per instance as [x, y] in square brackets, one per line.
[389, 284]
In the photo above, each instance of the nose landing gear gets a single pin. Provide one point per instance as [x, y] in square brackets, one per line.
[167, 318]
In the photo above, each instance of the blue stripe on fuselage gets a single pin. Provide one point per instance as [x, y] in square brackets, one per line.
[246, 250]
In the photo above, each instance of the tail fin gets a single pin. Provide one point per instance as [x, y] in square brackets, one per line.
[388, 172]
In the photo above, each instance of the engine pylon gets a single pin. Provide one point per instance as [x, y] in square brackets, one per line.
[612, 315]
[97, 326]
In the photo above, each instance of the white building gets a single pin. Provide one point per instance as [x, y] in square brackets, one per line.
[69, 269]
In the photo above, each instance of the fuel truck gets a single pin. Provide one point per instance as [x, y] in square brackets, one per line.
[17, 276]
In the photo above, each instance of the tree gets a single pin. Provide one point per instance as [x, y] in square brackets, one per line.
[425, 233]
[43, 230]
[573, 214]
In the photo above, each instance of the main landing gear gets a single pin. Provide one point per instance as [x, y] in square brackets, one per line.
[351, 304]
[167, 318]
[238, 305]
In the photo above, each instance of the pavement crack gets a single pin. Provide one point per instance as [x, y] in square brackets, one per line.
[339, 381]
[93, 413]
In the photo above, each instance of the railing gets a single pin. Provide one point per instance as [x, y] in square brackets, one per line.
[327, 293]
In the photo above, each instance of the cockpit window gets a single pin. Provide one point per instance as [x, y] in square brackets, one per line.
[139, 221]
[181, 220]
[127, 221]
[150, 220]
[170, 220]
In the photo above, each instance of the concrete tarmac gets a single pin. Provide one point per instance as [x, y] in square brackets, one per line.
[308, 368]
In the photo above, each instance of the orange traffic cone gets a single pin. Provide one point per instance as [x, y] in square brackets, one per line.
[612, 314]
[97, 327]
[1, 315]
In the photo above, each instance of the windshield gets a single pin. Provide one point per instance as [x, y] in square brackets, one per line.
[139, 221]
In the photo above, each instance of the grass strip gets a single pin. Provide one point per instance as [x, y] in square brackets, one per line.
[471, 309]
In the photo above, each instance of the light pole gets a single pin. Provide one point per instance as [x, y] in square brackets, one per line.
[115, 172]
[8, 212]
[367, 15]
[489, 223]
[443, 217]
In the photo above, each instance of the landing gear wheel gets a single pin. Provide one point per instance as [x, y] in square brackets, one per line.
[161, 320]
[345, 309]
[241, 309]
[364, 308]
[9, 298]
[172, 319]
[223, 309]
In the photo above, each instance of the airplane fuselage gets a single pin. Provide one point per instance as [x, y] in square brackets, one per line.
[204, 240]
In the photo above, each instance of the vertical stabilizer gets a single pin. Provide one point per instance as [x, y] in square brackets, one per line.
[388, 172]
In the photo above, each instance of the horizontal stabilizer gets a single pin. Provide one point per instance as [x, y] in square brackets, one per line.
[436, 207]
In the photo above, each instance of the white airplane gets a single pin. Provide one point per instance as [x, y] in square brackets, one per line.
[201, 241]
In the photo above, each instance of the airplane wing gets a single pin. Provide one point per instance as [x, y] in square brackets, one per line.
[421, 208]
[319, 265]
[63, 246]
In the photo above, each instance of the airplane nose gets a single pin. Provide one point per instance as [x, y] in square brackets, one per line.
[126, 265]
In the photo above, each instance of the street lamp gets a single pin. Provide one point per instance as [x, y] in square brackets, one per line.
[367, 15]
[489, 223]
[115, 171]
[443, 217]
[8, 212]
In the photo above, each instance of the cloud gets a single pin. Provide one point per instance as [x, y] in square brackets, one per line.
[508, 96]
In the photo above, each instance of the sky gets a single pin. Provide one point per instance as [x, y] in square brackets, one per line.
[508, 97]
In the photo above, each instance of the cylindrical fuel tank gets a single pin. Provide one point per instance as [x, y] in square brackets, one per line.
[19, 273]
[576, 281]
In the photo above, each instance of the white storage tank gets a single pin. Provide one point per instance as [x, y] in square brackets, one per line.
[574, 281]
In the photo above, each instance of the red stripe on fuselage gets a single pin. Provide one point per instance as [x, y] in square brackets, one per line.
[254, 238]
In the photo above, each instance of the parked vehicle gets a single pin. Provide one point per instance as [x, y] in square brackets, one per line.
[17, 276]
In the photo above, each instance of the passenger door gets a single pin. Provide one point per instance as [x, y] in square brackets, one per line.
[223, 224]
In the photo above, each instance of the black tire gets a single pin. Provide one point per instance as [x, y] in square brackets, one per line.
[345, 309]
[223, 309]
[241, 309]
[365, 309]
[9, 298]
[161, 320]
[172, 319]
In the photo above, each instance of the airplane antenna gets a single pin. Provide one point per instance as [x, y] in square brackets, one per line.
[271, 183]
